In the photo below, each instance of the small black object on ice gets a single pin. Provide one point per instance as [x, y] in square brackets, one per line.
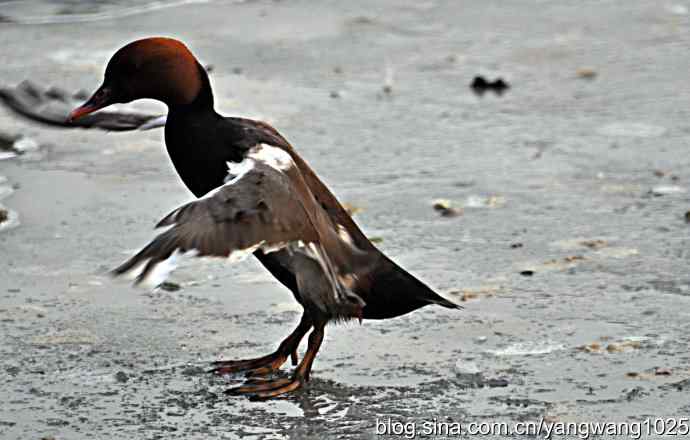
[480, 85]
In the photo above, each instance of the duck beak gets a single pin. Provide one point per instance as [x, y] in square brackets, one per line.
[100, 99]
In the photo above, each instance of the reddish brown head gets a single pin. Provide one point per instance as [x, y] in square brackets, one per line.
[156, 68]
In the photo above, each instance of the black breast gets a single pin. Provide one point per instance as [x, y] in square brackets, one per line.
[200, 143]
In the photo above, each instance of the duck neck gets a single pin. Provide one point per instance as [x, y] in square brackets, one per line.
[192, 142]
[201, 104]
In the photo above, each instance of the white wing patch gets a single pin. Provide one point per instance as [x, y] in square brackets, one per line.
[236, 171]
[162, 270]
[272, 156]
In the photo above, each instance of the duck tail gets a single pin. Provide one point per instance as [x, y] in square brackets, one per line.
[441, 301]
[395, 292]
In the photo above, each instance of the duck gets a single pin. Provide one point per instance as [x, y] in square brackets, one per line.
[255, 195]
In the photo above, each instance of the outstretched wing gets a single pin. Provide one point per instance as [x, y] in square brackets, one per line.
[52, 107]
[259, 207]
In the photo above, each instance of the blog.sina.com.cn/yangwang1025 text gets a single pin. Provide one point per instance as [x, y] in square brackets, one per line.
[539, 428]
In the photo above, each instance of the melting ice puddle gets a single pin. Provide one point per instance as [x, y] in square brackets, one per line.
[326, 406]
[656, 341]
[476, 201]
[663, 190]
[467, 368]
[631, 129]
[79, 57]
[261, 433]
[527, 348]
[617, 252]
[283, 407]
[89, 377]
[55, 12]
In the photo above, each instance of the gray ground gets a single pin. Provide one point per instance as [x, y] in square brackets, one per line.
[561, 164]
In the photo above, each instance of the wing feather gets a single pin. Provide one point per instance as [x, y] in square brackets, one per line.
[261, 208]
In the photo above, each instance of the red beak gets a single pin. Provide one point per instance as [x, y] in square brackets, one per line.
[81, 111]
[100, 99]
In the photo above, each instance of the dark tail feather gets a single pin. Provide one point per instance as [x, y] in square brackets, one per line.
[445, 303]
[395, 292]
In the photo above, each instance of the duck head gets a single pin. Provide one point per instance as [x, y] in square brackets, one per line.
[157, 68]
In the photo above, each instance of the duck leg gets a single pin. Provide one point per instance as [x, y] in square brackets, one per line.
[266, 389]
[272, 362]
